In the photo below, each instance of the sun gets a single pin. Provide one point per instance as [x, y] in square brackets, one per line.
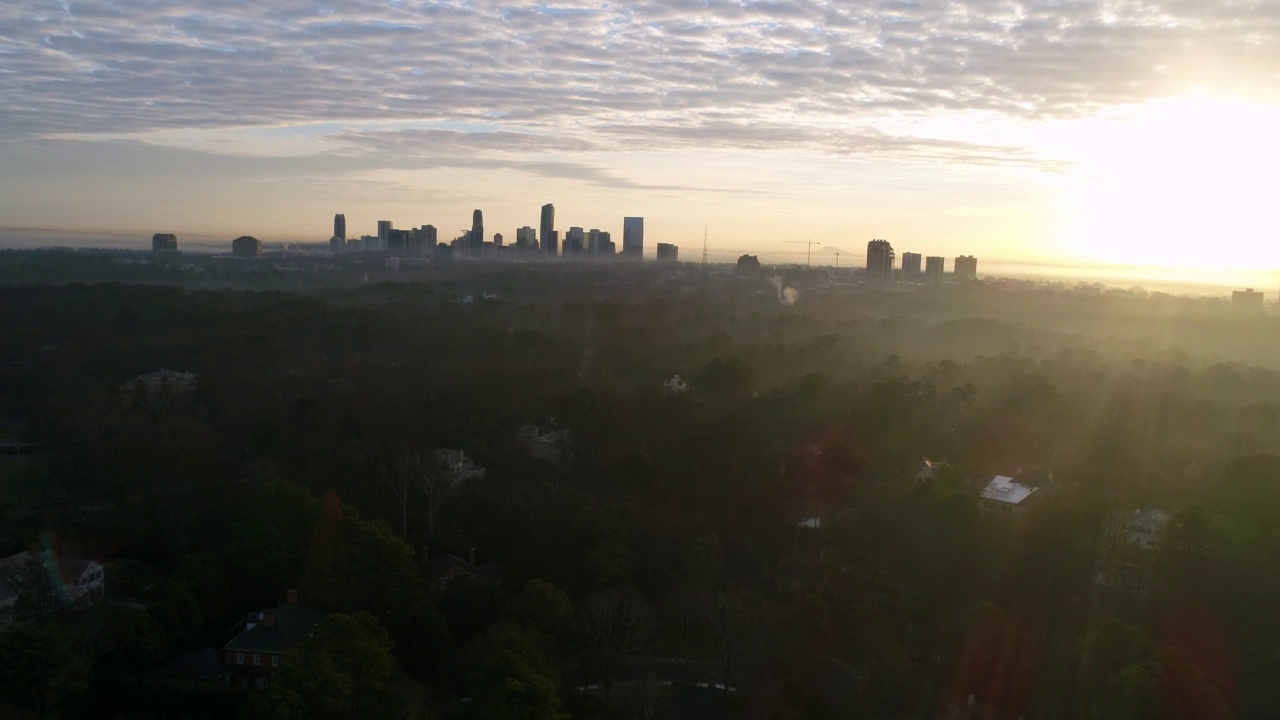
[1188, 183]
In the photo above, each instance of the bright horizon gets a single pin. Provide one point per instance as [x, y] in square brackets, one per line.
[1110, 134]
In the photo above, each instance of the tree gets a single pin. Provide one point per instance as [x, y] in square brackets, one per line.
[470, 607]
[514, 682]
[345, 669]
[402, 472]
[40, 665]
[614, 626]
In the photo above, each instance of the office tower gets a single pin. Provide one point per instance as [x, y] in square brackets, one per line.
[397, 242]
[633, 237]
[428, 238]
[593, 241]
[384, 231]
[574, 241]
[526, 239]
[164, 242]
[910, 263]
[966, 268]
[477, 232]
[606, 244]
[340, 227]
[880, 259]
[497, 239]
[246, 247]
[335, 244]
[547, 230]
[668, 253]
[933, 268]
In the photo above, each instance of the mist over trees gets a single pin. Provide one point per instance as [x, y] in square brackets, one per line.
[764, 533]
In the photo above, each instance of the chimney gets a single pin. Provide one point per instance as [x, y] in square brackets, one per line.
[292, 597]
[269, 618]
[473, 557]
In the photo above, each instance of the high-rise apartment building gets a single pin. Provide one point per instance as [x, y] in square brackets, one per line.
[340, 227]
[547, 231]
[910, 263]
[633, 237]
[497, 240]
[880, 259]
[164, 242]
[246, 246]
[966, 268]
[933, 269]
[668, 253]
[526, 238]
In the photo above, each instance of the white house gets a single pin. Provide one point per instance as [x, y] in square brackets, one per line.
[73, 579]
[1012, 495]
[675, 386]
[1145, 528]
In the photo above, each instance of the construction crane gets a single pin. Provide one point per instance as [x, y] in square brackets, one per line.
[809, 252]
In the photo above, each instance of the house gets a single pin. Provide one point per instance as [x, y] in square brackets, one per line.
[254, 655]
[1006, 495]
[456, 466]
[164, 380]
[929, 470]
[73, 579]
[446, 568]
[1145, 527]
[675, 386]
[555, 445]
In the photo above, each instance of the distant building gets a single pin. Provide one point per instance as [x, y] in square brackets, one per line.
[340, 227]
[1012, 495]
[675, 386]
[526, 238]
[397, 242]
[880, 259]
[633, 237]
[1246, 298]
[748, 265]
[966, 268]
[456, 466]
[384, 233]
[163, 381]
[668, 253]
[933, 268]
[164, 242]
[74, 580]
[444, 569]
[497, 239]
[246, 247]
[929, 470]
[574, 241]
[553, 444]
[547, 231]
[427, 237]
[253, 656]
[476, 244]
[1144, 528]
[910, 263]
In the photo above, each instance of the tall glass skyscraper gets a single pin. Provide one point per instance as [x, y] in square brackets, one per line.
[477, 232]
[633, 237]
[547, 230]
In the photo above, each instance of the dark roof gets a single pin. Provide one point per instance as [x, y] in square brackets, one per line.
[292, 625]
[440, 566]
[198, 665]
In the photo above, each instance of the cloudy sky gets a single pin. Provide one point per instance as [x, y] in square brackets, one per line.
[1127, 131]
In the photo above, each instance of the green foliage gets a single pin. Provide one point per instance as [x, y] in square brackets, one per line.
[513, 682]
[40, 665]
[470, 607]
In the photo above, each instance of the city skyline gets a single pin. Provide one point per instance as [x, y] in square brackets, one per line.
[1036, 133]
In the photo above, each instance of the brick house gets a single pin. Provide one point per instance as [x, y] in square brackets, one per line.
[254, 655]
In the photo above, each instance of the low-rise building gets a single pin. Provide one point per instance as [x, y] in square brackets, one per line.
[1143, 528]
[163, 380]
[69, 580]
[445, 569]
[1005, 495]
[929, 470]
[553, 444]
[254, 655]
[675, 386]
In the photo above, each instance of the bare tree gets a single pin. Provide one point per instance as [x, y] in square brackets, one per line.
[438, 486]
[401, 472]
[615, 627]
[731, 616]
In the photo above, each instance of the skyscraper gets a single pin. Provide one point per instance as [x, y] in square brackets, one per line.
[477, 232]
[384, 235]
[340, 227]
[933, 269]
[574, 241]
[668, 253]
[633, 237]
[880, 259]
[163, 242]
[910, 263]
[547, 230]
[966, 268]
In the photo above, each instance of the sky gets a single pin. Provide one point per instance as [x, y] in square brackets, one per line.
[1133, 133]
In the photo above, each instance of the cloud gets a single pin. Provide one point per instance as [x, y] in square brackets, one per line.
[572, 77]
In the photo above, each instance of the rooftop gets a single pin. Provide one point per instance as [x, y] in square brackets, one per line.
[1004, 489]
[291, 626]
